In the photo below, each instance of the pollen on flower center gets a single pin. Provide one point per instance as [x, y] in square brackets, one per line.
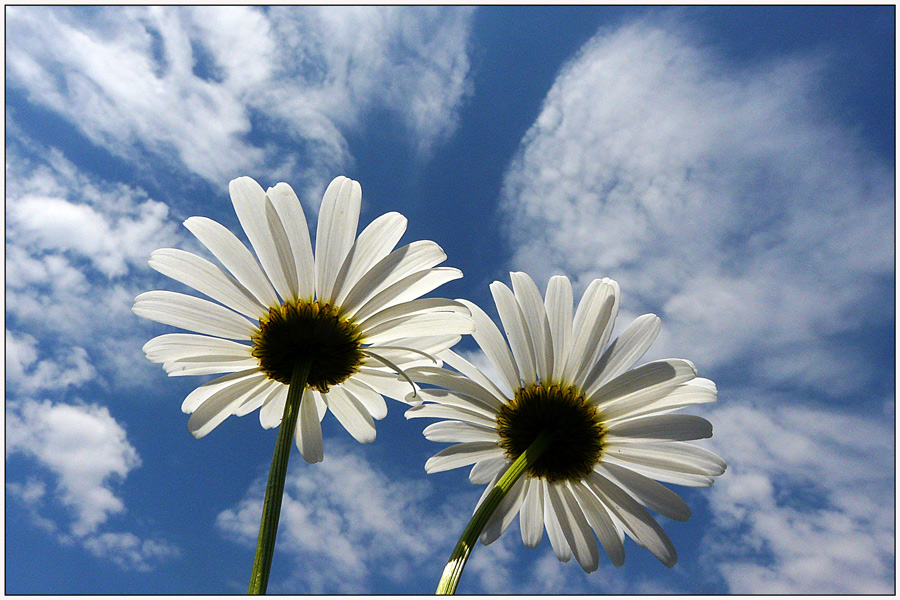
[578, 431]
[307, 331]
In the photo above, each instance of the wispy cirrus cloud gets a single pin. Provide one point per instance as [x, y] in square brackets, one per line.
[204, 87]
[725, 200]
[807, 500]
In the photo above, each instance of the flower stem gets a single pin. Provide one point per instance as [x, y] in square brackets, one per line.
[268, 526]
[459, 557]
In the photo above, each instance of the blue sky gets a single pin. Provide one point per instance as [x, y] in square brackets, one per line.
[731, 167]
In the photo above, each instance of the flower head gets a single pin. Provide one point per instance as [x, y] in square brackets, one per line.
[353, 311]
[613, 437]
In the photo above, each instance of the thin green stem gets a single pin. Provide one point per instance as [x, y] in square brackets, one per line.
[459, 557]
[268, 526]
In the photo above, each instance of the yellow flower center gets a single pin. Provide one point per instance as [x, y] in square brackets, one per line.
[308, 331]
[578, 431]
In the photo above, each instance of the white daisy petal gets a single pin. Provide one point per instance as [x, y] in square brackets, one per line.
[377, 358]
[406, 289]
[448, 398]
[648, 492]
[418, 306]
[626, 350]
[661, 427]
[531, 515]
[491, 341]
[193, 314]
[641, 526]
[351, 413]
[336, 232]
[399, 355]
[601, 522]
[469, 370]
[461, 455]
[504, 514]
[529, 299]
[205, 391]
[208, 365]
[516, 331]
[249, 200]
[222, 404]
[427, 324]
[594, 320]
[284, 250]
[558, 302]
[374, 243]
[372, 400]
[175, 346]
[432, 345]
[272, 410]
[461, 385]
[235, 257]
[552, 509]
[652, 468]
[206, 278]
[458, 431]
[393, 268]
[662, 400]
[670, 456]
[577, 530]
[308, 431]
[488, 469]
[386, 383]
[650, 380]
[290, 211]
[258, 399]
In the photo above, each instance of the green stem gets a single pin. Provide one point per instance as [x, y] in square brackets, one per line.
[268, 526]
[459, 557]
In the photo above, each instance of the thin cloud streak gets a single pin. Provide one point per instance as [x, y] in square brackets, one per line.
[189, 86]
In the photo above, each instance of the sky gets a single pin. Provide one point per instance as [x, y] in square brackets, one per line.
[731, 167]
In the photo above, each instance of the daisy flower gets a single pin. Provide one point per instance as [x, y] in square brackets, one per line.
[351, 312]
[609, 433]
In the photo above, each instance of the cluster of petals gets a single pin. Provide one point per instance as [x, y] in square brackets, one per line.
[373, 285]
[644, 442]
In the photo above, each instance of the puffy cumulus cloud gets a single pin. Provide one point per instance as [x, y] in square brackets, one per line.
[83, 446]
[86, 452]
[723, 199]
[130, 552]
[345, 522]
[807, 503]
[199, 85]
[25, 373]
[74, 243]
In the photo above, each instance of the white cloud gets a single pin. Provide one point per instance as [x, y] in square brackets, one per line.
[807, 503]
[186, 83]
[87, 451]
[344, 521]
[130, 552]
[25, 373]
[83, 446]
[74, 243]
[724, 200]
